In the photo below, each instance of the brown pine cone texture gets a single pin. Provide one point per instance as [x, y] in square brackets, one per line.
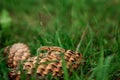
[45, 63]
[16, 53]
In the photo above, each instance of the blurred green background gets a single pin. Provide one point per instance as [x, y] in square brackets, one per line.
[62, 23]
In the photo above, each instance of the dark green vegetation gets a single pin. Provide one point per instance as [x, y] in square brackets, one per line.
[91, 27]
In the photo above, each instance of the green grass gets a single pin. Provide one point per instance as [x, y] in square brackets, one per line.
[91, 27]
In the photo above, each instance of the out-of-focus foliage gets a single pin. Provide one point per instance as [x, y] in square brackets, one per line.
[5, 19]
[20, 5]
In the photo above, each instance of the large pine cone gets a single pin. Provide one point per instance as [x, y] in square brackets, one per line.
[16, 53]
[50, 63]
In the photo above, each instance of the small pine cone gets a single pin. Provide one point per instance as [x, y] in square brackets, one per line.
[51, 64]
[16, 53]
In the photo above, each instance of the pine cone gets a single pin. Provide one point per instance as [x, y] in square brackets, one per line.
[51, 63]
[16, 53]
